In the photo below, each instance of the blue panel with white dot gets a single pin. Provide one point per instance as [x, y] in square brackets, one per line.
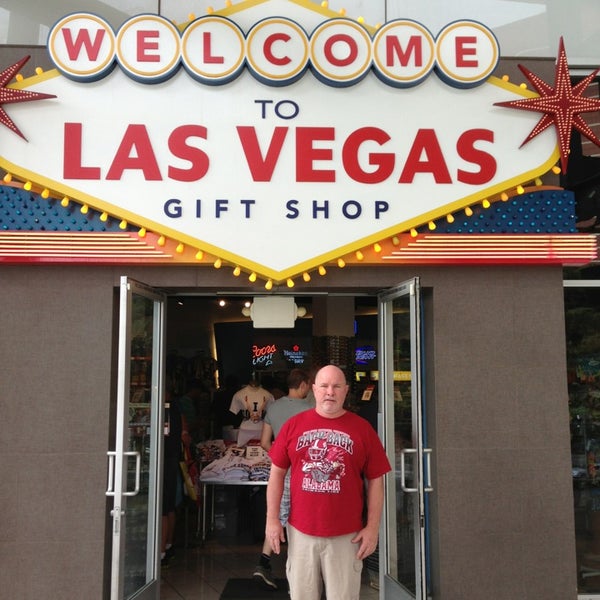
[21, 210]
[535, 212]
[547, 211]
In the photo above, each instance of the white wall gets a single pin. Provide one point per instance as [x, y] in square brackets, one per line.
[524, 28]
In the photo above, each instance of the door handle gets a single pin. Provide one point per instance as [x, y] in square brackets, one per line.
[110, 491]
[427, 468]
[403, 454]
[138, 468]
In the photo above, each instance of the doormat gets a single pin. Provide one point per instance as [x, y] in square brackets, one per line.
[240, 589]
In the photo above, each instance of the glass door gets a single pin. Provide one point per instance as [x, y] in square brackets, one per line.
[582, 327]
[403, 539]
[134, 465]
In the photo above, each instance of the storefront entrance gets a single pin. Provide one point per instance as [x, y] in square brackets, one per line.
[135, 464]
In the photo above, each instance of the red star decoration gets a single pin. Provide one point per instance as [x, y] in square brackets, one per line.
[560, 104]
[10, 95]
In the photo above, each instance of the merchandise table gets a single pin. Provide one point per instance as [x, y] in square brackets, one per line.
[205, 483]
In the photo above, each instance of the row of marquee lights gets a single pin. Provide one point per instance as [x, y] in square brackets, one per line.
[277, 51]
[252, 276]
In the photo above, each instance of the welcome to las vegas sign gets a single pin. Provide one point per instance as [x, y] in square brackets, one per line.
[275, 134]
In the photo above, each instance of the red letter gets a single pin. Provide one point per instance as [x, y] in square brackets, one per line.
[143, 45]
[83, 39]
[136, 137]
[426, 142]
[261, 168]
[467, 151]
[384, 161]
[415, 46]
[181, 149]
[207, 51]
[72, 168]
[276, 37]
[306, 154]
[462, 51]
[352, 50]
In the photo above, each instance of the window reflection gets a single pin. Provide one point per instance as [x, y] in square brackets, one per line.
[582, 319]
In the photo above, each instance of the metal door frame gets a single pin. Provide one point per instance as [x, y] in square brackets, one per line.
[390, 588]
[118, 460]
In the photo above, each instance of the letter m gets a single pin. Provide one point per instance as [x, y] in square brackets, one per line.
[393, 49]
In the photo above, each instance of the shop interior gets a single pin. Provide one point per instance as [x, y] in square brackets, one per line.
[218, 341]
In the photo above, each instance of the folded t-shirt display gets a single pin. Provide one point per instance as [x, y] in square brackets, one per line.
[239, 464]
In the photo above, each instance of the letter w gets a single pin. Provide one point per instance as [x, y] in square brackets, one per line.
[83, 39]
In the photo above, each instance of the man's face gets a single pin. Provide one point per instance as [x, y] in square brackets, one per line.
[330, 391]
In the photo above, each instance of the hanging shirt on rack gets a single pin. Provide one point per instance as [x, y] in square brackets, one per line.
[252, 401]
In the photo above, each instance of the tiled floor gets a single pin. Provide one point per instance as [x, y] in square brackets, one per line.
[200, 571]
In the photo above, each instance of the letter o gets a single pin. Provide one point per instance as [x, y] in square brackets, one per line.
[354, 50]
[295, 109]
[351, 214]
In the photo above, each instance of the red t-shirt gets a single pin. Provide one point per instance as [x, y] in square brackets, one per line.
[329, 460]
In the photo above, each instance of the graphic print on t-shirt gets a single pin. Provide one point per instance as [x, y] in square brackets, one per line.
[255, 410]
[323, 463]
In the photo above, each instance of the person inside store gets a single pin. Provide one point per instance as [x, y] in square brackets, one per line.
[174, 435]
[222, 416]
[331, 453]
[189, 406]
[298, 384]
[252, 402]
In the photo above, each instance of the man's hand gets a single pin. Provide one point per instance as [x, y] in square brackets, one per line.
[367, 540]
[274, 534]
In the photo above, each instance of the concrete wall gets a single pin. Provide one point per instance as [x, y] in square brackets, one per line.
[498, 404]
[55, 351]
[502, 510]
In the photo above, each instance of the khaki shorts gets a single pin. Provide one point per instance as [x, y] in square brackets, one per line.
[314, 562]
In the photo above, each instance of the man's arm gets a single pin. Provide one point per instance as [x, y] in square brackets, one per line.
[266, 436]
[274, 529]
[369, 535]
